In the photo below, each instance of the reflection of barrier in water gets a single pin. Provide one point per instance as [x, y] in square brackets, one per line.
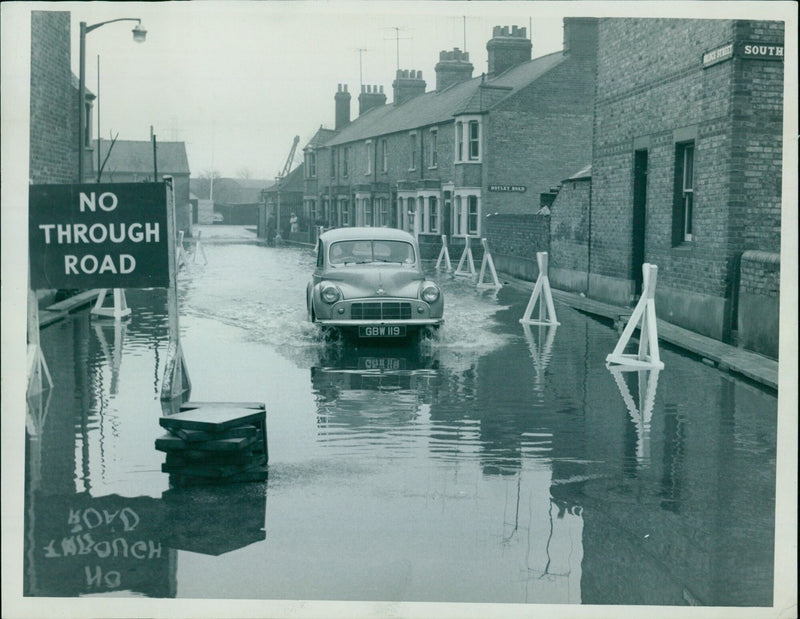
[466, 264]
[114, 358]
[487, 261]
[117, 311]
[643, 316]
[444, 255]
[36, 365]
[541, 294]
[36, 409]
[541, 347]
[642, 412]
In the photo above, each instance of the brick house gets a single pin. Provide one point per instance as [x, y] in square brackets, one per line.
[686, 174]
[438, 162]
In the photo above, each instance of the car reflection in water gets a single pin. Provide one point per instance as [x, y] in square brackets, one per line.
[373, 387]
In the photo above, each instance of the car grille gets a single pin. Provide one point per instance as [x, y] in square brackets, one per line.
[386, 310]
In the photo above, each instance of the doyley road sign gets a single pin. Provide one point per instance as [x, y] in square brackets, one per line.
[109, 235]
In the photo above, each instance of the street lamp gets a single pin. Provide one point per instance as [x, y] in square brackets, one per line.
[139, 35]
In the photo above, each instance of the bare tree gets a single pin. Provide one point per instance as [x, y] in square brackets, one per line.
[244, 173]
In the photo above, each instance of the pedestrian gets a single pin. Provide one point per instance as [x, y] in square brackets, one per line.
[293, 222]
[270, 229]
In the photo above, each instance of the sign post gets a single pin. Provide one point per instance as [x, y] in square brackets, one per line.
[176, 381]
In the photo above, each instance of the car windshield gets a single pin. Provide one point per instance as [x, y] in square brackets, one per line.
[363, 252]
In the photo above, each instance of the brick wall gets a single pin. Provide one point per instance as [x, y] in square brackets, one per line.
[54, 102]
[759, 302]
[569, 235]
[541, 135]
[514, 241]
[652, 94]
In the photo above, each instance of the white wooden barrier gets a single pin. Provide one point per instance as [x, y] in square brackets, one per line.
[199, 249]
[542, 294]
[487, 261]
[466, 262]
[643, 316]
[180, 255]
[117, 311]
[444, 255]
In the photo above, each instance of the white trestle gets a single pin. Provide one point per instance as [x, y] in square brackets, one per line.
[541, 294]
[644, 317]
[487, 261]
[180, 255]
[444, 255]
[466, 265]
[117, 311]
[198, 249]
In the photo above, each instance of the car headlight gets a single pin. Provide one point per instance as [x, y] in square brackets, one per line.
[430, 293]
[330, 294]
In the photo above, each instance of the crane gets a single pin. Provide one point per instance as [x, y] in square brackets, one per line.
[290, 158]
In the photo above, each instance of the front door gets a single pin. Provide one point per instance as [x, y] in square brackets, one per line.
[639, 216]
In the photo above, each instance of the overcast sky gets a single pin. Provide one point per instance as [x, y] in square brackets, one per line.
[238, 81]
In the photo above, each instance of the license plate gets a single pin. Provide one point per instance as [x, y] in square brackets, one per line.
[381, 363]
[383, 331]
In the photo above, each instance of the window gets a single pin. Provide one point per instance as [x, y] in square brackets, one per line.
[474, 140]
[411, 214]
[367, 207]
[413, 149]
[383, 212]
[683, 211]
[344, 211]
[345, 157]
[459, 141]
[311, 164]
[333, 163]
[434, 144]
[458, 220]
[472, 214]
[384, 159]
[368, 150]
[433, 215]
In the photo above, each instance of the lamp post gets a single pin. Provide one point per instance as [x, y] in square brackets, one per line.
[139, 35]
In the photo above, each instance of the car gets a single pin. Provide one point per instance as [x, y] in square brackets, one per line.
[369, 282]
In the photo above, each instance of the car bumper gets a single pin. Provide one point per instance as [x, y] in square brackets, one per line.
[415, 322]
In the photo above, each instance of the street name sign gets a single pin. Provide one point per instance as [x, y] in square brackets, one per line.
[104, 235]
[508, 188]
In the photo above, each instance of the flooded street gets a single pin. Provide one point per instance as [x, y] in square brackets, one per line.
[497, 464]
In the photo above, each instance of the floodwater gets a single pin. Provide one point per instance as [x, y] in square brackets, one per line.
[498, 464]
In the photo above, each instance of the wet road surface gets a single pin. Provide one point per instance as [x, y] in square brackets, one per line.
[499, 464]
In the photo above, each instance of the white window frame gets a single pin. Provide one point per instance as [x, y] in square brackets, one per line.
[384, 155]
[433, 159]
[464, 140]
[414, 145]
[407, 208]
[311, 164]
[368, 145]
[460, 206]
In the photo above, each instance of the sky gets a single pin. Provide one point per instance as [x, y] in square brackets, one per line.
[237, 81]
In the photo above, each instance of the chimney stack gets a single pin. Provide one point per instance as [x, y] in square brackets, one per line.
[370, 97]
[507, 49]
[580, 36]
[342, 101]
[407, 85]
[453, 67]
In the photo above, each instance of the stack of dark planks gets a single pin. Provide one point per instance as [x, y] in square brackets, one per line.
[215, 442]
